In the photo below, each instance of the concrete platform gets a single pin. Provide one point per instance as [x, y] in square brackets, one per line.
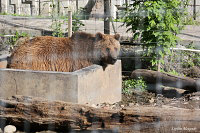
[90, 85]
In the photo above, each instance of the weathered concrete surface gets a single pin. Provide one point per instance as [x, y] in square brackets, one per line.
[41, 26]
[3, 61]
[89, 85]
[3, 64]
[96, 85]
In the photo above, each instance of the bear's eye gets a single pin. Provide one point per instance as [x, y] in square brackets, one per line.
[107, 50]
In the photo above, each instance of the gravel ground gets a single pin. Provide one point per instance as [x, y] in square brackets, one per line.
[191, 33]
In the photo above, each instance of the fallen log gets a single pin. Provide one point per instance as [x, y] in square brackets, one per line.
[159, 78]
[36, 114]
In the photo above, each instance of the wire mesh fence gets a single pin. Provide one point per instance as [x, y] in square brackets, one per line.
[88, 15]
[42, 17]
[83, 10]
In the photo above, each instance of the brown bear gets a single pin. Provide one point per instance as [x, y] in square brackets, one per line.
[47, 53]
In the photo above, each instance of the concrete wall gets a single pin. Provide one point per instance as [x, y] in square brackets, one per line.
[89, 85]
[44, 7]
[35, 7]
[97, 85]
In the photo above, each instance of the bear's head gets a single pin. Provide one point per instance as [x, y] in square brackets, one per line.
[107, 47]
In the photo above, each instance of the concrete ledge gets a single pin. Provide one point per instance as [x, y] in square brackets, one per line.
[89, 85]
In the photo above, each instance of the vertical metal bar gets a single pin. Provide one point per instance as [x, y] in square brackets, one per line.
[39, 4]
[194, 10]
[126, 4]
[77, 5]
[58, 7]
[69, 23]
[0, 7]
[106, 16]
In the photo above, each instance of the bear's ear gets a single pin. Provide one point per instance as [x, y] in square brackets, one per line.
[75, 35]
[99, 36]
[117, 36]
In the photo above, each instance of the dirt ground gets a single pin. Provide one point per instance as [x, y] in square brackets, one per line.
[140, 99]
[168, 97]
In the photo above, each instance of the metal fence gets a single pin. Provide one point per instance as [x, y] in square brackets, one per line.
[94, 16]
[35, 18]
[194, 9]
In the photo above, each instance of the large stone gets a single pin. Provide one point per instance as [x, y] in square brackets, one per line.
[10, 129]
[90, 85]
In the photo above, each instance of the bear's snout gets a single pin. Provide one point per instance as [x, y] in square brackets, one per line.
[113, 60]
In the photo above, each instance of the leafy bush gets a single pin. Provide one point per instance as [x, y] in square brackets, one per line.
[172, 72]
[56, 25]
[156, 22]
[191, 58]
[12, 41]
[76, 23]
[58, 21]
[57, 28]
[131, 84]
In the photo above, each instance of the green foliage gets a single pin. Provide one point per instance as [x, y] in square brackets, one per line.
[12, 41]
[14, 14]
[57, 28]
[76, 23]
[56, 22]
[131, 84]
[190, 21]
[172, 72]
[191, 58]
[118, 20]
[4, 13]
[156, 22]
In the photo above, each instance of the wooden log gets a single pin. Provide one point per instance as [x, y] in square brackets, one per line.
[36, 114]
[160, 78]
[86, 11]
[40, 114]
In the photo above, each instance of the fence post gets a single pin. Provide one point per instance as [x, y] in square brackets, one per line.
[4, 6]
[58, 7]
[106, 16]
[39, 7]
[77, 5]
[194, 10]
[159, 65]
[126, 2]
[69, 23]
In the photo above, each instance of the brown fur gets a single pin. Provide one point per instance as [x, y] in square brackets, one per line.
[48, 53]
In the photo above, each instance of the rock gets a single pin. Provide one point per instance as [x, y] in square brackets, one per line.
[196, 98]
[10, 129]
[194, 72]
[46, 132]
[94, 106]
[171, 92]
[131, 104]
[152, 100]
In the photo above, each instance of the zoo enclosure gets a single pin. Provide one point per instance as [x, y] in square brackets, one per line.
[195, 5]
[43, 7]
[93, 21]
[93, 11]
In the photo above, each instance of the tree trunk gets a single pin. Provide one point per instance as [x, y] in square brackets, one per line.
[86, 11]
[36, 114]
[159, 78]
